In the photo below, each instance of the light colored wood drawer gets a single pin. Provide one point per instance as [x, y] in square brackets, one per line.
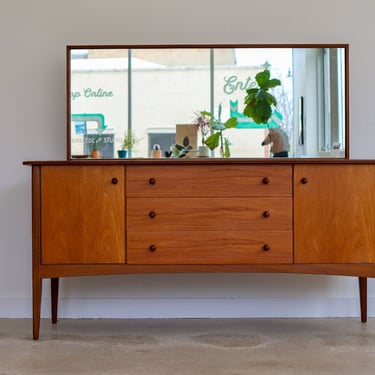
[238, 214]
[209, 181]
[209, 247]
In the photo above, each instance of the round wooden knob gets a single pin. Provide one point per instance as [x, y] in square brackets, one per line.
[152, 181]
[266, 180]
[266, 247]
[114, 180]
[304, 180]
[152, 247]
[152, 214]
[266, 214]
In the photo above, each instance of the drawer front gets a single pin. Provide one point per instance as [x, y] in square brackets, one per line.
[238, 214]
[209, 247]
[209, 181]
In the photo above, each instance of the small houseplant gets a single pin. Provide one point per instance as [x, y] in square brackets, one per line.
[96, 142]
[202, 122]
[127, 144]
[180, 151]
[258, 101]
[217, 138]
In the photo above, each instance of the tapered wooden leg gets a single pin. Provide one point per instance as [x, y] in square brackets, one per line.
[362, 281]
[37, 302]
[54, 298]
[36, 250]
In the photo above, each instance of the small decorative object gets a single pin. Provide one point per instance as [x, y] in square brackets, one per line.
[95, 154]
[202, 122]
[122, 153]
[96, 142]
[280, 142]
[156, 152]
[187, 136]
[180, 151]
[258, 101]
[127, 144]
[83, 156]
[335, 153]
[217, 139]
[203, 151]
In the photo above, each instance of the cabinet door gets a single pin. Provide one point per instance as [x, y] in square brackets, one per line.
[334, 213]
[83, 218]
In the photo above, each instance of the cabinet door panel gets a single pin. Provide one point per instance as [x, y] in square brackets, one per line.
[83, 216]
[209, 181]
[334, 213]
[209, 247]
[239, 214]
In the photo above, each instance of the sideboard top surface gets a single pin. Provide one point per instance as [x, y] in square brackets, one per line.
[197, 161]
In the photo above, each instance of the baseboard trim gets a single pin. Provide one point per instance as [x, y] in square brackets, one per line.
[190, 307]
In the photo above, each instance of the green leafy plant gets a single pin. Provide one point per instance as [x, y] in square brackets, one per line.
[202, 123]
[258, 101]
[217, 138]
[180, 151]
[98, 138]
[129, 140]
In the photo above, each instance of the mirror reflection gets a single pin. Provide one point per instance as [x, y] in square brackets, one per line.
[152, 98]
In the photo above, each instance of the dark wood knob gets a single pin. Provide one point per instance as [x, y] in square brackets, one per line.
[266, 180]
[304, 180]
[152, 181]
[266, 247]
[266, 214]
[114, 180]
[152, 247]
[152, 214]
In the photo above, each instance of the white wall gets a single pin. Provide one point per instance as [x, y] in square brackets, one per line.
[33, 36]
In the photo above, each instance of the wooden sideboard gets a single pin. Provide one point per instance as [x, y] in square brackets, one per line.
[310, 216]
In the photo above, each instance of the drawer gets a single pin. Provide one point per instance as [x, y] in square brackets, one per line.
[209, 247]
[236, 214]
[209, 181]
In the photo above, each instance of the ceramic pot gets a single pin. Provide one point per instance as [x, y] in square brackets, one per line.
[95, 154]
[122, 153]
[203, 152]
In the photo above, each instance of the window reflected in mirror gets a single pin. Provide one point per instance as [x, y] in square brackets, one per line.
[149, 91]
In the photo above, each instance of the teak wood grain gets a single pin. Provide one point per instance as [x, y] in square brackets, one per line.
[209, 181]
[93, 218]
[209, 247]
[334, 214]
[83, 215]
[219, 214]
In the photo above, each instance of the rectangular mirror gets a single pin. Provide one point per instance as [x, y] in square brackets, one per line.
[155, 93]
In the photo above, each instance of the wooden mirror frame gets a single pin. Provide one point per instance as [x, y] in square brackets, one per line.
[208, 46]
